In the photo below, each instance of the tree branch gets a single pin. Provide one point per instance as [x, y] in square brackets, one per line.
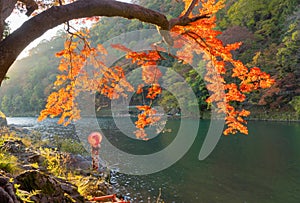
[31, 6]
[6, 7]
[183, 21]
[12, 46]
[191, 7]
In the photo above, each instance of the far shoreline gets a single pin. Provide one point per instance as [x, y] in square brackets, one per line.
[250, 118]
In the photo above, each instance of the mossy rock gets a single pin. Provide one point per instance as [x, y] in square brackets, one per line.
[50, 188]
[3, 121]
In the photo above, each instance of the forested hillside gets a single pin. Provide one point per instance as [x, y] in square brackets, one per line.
[31, 80]
[269, 30]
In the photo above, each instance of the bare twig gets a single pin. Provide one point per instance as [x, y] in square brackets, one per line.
[191, 7]
[159, 195]
[183, 21]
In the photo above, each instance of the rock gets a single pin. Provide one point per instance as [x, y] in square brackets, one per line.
[7, 191]
[19, 130]
[14, 146]
[95, 187]
[3, 121]
[51, 189]
[45, 187]
[76, 162]
[36, 158]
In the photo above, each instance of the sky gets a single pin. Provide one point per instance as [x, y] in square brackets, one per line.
[16, 19]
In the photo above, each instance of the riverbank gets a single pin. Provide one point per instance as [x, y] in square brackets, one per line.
[285, 114]
[258, 113]
[36, 173]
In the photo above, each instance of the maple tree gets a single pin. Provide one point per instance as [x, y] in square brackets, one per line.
[196, 25]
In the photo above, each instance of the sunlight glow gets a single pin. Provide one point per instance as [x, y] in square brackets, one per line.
[16, 19]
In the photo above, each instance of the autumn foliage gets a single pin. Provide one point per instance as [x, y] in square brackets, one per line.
[75, 78]
[200, 37]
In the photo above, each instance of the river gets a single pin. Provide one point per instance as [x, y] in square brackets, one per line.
[263, 166]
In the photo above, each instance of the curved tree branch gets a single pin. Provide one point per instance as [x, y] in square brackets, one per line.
[12, 46]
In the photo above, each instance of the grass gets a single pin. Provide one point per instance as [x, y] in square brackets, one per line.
[8, 163]
[55, 162]
[69, 145]
[24, 195]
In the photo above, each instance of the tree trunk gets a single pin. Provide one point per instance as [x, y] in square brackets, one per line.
[6, 7]
[13, 45]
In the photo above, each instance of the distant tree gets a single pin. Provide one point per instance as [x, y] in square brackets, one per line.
[196, 23]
